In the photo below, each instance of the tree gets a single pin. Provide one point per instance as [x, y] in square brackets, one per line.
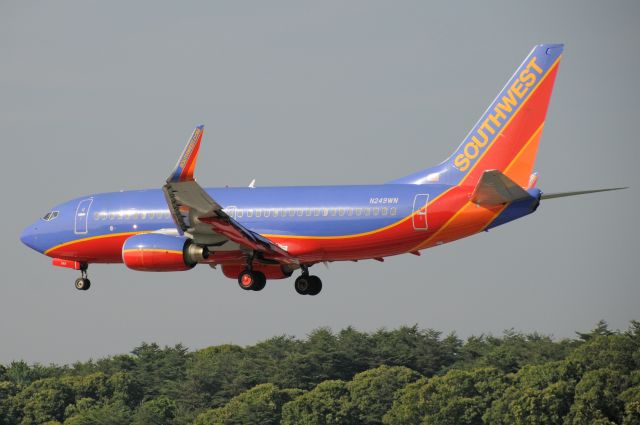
[7, 409]
[43, 400]
[158, 411]
[106, 414]
[211, 378]
[327, 404]
[261, 404]
[159, 370]
[540, 394]
[372, 392]
[597, 398]
[456, 398]
[125, 389]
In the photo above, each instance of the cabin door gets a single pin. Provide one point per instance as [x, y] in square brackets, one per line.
[82, 215]
[420, 211]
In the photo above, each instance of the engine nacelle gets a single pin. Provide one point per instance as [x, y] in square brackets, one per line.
[152, 252]
[274, 271]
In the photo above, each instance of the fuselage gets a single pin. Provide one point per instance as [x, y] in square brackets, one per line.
[313, 223]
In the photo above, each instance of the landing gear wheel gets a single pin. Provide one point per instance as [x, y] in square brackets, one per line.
[82, 284]
[261, 281]
[252, 281]
[316, 285]
[308, 285]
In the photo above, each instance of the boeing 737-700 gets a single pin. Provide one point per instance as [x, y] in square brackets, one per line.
[258, 233]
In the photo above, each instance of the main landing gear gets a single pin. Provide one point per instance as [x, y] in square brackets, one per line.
[250, 280]
[83, 283]
[307, 284]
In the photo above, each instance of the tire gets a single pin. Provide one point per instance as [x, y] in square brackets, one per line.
[246, 280]
[260, 281]
[82, 284]
[302, 285]
[316, 285]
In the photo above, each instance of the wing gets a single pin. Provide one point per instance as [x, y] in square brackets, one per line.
[201, 218]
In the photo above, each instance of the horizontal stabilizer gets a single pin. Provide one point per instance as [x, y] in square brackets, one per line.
[580, 192]
[494, 188]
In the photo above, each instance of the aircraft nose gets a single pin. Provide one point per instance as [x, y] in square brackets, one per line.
[29, 237]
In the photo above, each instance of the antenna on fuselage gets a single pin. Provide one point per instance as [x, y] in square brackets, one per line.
[252, 185]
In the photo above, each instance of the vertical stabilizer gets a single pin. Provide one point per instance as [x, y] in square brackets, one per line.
[507, 135]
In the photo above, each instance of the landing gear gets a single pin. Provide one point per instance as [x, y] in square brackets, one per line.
[307, 284]
[252, 281]
[83, 283]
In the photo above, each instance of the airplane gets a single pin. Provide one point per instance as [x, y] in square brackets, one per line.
[255, 234]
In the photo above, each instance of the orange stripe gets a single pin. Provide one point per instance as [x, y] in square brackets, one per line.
[91, 238]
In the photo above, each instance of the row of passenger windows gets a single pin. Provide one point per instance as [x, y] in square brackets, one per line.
[132, 215]
[313, 212]
[258, 213]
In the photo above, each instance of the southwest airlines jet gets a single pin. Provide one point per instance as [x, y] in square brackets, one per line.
[254, 234]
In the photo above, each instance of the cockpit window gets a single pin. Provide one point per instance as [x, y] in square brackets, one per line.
[50, 215]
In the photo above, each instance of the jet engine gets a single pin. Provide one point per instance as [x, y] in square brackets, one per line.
[154, 252]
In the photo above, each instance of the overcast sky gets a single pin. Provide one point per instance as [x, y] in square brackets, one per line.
[100, 96]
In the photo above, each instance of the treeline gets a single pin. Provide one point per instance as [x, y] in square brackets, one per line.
[395, 377]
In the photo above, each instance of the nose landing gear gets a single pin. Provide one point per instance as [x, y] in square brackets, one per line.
[83, 283]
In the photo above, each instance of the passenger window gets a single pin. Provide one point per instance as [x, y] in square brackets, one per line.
[385, 210]
[325, 212]
[152, 215]
[376, 211]
[358, 212]
[333, 212]
[267, 212]
[112, 216]
[249, 213]
[258, 213]
[316, 212]
[350, 213]
[239, 213]
[367, 212]
[308, 212]
[299, 212]
[341, 212]
[143, 215]
[96, 216]
[394, 211]
[275, 212]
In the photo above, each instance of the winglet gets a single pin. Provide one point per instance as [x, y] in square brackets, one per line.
[187, 162]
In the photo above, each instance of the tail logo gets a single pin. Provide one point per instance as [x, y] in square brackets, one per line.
[503, 110]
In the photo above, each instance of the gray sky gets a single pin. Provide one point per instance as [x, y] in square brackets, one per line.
[101, 96]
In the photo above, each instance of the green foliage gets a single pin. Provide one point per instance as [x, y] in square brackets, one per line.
[458, 397]
[327, 404]
[261, 404]
[7, 410]
[43, 400]
[106, 414]
[372, 392]
[159, 411]
[403, 376]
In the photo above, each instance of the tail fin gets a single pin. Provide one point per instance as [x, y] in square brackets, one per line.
[507, 135]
